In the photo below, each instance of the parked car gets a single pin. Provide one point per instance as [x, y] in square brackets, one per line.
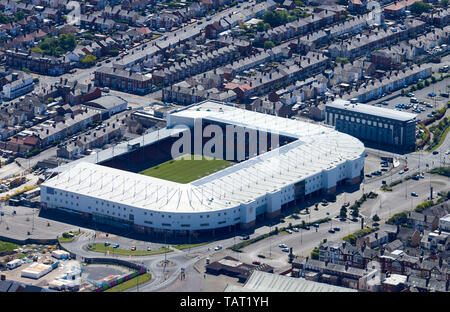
[107, 243]
[337, 229]
[133, 248]
[315, 225]
[331, 231]
[245, 237]
[148, 248]
[282, 246]
[295, 229]
[414, 194]
[289, 231]
[116, 246]
[405, 169]
[218, 247]
[285, 249]
[435, 152]
[256, 262]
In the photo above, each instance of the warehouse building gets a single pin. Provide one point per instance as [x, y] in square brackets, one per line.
[374, 125]
[311, 159]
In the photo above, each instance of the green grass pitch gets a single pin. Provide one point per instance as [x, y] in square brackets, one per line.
[186, 170]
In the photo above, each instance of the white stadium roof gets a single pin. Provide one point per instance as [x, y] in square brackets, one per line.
[318, 148]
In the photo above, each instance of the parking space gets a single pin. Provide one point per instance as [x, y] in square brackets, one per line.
[421, 102]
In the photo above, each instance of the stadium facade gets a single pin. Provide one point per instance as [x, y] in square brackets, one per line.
[309, 159]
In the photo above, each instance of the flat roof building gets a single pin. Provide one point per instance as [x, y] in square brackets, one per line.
[375, 125]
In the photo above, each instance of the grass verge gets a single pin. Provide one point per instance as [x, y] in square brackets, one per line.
[186, 246]
[97, 247]
[141, 279]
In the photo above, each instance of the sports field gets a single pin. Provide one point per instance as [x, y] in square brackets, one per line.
[186, 170]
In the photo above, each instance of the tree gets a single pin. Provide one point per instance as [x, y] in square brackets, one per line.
[268, 44]
[375, 218]
[316, 205]
[88, 60]
[427, 83]
[355, 213]
[444, 3]
[343, 213]
[420, 7]
[20, 15]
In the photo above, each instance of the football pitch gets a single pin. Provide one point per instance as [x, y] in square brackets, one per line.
[186, 170]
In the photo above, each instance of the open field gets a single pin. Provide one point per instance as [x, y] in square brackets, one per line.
[186, 170]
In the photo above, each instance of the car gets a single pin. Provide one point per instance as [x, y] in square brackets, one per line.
[368, 175]
[99, 65]
[218, 247]
[107, 243]
[447, 153]
[199, 22]
[346, 204]
[324, 204]
[416, 177]
[430, 115]
[432, 94]
[435, 152]
[285, 249]
[108, 61]
[282, 246]
[414, 194]
[410, 94]
[401, 172]
[116, 246]
[148, 248]
[256, 262]
[295, 229]
[133, 248]
[331, 231]
[306, 227]
[245, 237]
[446, 95]
[385, 103]
[337, 229]
[405, 169]
[315, 225]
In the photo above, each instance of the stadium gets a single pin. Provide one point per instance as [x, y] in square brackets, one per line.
[253, 166]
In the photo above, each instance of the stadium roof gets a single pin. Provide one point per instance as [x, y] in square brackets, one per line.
[317, 149]
[268, 282]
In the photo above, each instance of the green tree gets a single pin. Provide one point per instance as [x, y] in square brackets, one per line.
[427, 83]
[343, 213]
[433, 79]
[4, 19]
[20, 15]
[88, 60]
[420, 7]
[444, 3]
[268, 44]
[375, 218]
